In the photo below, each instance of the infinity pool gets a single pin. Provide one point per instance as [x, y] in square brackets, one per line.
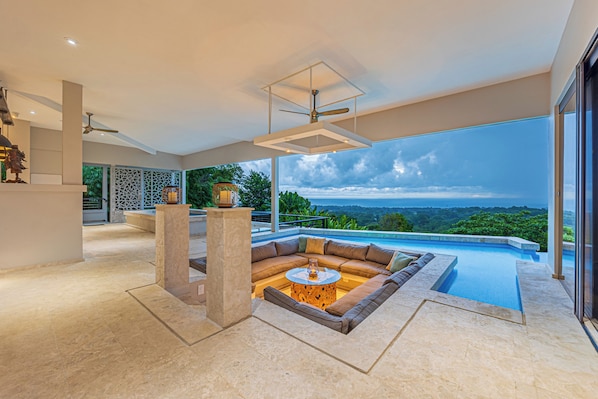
[484, 272]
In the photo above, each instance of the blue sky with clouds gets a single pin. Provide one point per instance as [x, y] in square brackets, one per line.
[507, 160]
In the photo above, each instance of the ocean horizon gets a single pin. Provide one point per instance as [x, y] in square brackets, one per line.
[428, 202]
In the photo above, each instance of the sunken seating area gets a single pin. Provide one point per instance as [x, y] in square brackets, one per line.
[370, 274]
[349, 311]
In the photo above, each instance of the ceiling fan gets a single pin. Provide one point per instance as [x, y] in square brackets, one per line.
[88, 129]
[315, 114]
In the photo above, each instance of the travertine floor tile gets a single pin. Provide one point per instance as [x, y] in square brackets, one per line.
[73, 331]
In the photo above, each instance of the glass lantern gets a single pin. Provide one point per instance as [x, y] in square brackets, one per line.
[312, 269]
[171, 195]
[225, 195]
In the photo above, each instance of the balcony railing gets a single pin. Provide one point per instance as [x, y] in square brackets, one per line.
[290, 220]
[92, 203]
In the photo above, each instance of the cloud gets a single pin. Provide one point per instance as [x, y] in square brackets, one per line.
[507, 160]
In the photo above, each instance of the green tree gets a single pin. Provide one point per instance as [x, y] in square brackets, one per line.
[522, 225]
[568, 234]
[343, 222]
[255, 191]
[200, 182]
[93, 179]
[293, 203]
[394, 222]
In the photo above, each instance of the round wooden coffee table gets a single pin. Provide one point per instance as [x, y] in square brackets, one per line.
[319, 292]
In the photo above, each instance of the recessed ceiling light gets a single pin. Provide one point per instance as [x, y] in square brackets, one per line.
[71, 41]
[32, 112]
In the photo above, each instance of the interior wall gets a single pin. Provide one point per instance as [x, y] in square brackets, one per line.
[43, 225]
[580, 28]
[46, 151]
[106, 154]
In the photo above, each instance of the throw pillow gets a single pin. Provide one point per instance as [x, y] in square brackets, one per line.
[315, 246]
[399, 261]
[302, 243]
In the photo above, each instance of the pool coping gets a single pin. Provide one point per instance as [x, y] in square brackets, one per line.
[515, 242]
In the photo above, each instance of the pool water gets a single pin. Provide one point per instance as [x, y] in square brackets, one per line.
[484, 272]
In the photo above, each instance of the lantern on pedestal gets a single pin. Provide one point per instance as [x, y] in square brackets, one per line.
[225, 195]
[171, 195]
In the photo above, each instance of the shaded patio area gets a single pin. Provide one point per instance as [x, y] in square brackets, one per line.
[73, 330]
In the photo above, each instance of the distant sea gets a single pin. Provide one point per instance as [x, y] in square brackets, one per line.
[427, 202]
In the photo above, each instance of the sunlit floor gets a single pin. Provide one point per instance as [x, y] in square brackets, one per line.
[72, 331]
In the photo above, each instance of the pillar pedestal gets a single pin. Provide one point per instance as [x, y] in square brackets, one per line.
[228, 284]
[172, 248]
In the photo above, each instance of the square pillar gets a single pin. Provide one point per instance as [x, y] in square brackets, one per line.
[172, 248]
[228, 284]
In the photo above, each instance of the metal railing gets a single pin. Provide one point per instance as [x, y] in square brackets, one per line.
[290, 220]
[92, 203]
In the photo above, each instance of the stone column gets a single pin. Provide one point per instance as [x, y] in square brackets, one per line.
[228, 285]
[172, 248]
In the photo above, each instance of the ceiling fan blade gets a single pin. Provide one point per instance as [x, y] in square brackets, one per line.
[334, 112]
[104, 130]
[294, 112]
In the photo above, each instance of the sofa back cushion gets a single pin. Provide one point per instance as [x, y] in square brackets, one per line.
[263, 252]
[379, 255]
[288, 247]
[399, 278]
[315, 245]
[344, 250]
[423, 260]
[339, 324]
[367, 305]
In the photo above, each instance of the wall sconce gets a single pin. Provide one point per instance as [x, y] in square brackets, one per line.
[171, 195]
[225, 195]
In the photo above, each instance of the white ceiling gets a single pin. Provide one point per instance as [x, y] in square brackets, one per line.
[187, 75]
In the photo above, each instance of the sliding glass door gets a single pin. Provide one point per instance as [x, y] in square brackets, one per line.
[586, 304]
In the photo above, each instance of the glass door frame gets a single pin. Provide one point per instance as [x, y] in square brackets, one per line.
[99, 215]
[590, 57]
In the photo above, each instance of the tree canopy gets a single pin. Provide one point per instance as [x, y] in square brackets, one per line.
[522, 225]
[394, 222]
[255, 191]
[200, 182]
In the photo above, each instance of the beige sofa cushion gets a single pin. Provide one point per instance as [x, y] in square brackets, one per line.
[340, 307]
[329, 261]
[345, 250]
[272, 266]
[364, 268]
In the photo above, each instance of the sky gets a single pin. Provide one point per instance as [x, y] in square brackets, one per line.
[506, 160]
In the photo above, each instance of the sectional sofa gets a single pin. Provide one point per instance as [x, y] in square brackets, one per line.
[378, 273]
[370, 273]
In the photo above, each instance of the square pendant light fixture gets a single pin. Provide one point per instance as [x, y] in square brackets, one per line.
[317, 83]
